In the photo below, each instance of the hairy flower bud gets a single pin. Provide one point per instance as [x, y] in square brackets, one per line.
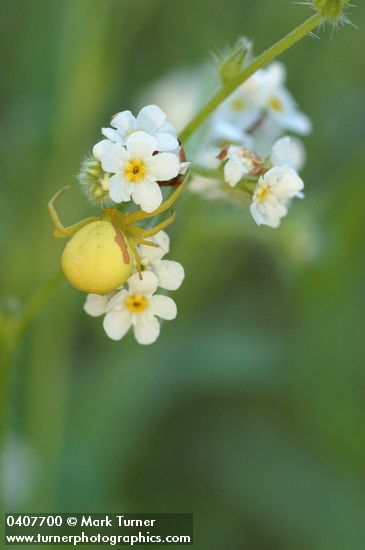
[233, 61]
[94, 182]
[331, 9]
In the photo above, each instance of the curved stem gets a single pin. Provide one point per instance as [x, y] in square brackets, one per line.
[268, 55]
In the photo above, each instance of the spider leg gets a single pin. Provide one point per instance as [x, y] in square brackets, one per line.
[153, 230]
[60, 229]
[137, 258]
[139, 240]
[141, 215]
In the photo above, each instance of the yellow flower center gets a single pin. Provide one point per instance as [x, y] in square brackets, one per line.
[136, 303]
[263, 192]
[134, 170]
[275, 104]
[238, 104]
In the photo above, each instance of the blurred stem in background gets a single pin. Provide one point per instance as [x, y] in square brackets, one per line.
[13, 327]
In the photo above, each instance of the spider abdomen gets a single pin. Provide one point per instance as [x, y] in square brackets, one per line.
[98, 258]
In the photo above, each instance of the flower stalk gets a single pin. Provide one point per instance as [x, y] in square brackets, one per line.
[263, 59]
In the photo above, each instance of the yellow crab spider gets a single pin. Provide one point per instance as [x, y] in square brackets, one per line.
[99, 257]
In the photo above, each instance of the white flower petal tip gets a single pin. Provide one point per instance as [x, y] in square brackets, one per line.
[164, 307]
[145, 282]
[146, 330]
[150, 118]
[117, 323]
[170, 274]
[95, 305]
[290, 151]
[233, 172]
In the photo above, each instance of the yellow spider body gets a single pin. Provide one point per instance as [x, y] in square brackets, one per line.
[103, 251]
[98, 258]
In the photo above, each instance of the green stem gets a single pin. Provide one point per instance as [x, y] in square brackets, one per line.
[36, 303]
[268, 55]
[12, 335]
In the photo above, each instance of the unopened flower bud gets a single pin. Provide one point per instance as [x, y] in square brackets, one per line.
[233, 61]
[331, 9]
[94, 181]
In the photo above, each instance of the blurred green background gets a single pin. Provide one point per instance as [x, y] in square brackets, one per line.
[249, 411]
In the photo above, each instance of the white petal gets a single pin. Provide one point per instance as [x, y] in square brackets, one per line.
[148, 195]
[99, 147]
[142, 283]
[166, 141]
[117, 302]
[124, 121]
[264, 216]
[170, 274]
[225, 131]
[150, 253]
[150, 118]
[290, 151]
[163, 241]
[153, 253]
[256, 213]
[119, 189]
[164, 307]
[146, 329]
[164, 166]
[113, 156]
[113, 135]
[117, 323]
[297, 122]
[95, 304]
[284, 181]
[141, 145]
[233, 171]
[168, 127]
[275, 74]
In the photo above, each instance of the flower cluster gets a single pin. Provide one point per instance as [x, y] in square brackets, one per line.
[244, 157]
[249, 151]
[259, 112]
[138, 306]
[137, 156]
[277, 183]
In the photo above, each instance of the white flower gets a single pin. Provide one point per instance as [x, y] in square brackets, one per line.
[258, 112]
[136, 169]
[150, 119]
[240, 163]
[138, 307]
[279, 103]
[170, 274]
[290, 151]
[273, 193]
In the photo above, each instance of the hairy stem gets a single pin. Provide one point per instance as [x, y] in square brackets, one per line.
[268, 55]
